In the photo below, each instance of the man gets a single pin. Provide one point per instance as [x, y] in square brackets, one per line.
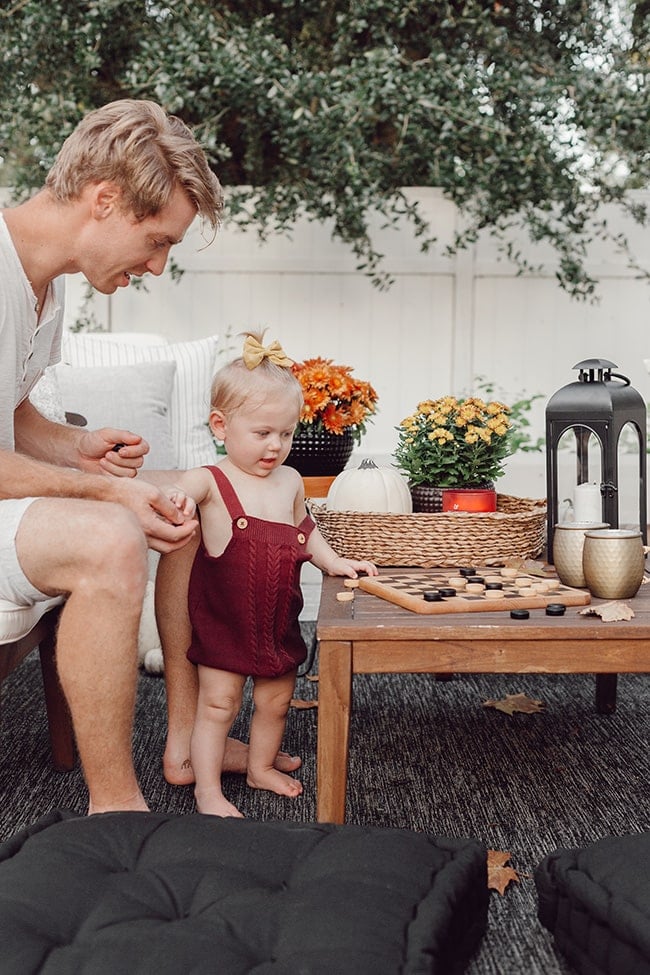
[123, 190]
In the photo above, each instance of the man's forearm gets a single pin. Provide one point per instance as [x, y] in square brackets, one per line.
[23, 477]
[42, 439]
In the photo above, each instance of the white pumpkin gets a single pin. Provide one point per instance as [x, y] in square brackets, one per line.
[370, 488]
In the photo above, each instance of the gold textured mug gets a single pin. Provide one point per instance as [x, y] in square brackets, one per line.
[613, 562]
[568, 542]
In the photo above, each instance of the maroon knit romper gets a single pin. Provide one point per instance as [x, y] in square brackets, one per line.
[244, 603]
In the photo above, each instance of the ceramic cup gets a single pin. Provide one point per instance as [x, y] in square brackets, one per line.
[613, 562]
[568, 542]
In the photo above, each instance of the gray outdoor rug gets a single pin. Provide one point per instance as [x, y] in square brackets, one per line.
[425, 755]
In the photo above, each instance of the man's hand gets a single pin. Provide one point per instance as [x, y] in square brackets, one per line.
[166, 527]
[110, 451]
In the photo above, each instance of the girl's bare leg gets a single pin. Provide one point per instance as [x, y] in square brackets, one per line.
[272, 697]
[220, 694]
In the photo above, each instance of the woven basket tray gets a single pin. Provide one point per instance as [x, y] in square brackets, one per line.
[515, 529]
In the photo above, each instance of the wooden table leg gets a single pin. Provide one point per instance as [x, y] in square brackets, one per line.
[334, 706]
[606, 693]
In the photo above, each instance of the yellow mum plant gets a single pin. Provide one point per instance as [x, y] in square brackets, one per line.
[450, 442]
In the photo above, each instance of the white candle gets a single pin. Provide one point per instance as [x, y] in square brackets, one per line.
[587, 503]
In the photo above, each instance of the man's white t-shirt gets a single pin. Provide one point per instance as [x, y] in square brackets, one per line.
[27, 346]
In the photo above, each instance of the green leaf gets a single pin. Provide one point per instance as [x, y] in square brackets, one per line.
[529, 117]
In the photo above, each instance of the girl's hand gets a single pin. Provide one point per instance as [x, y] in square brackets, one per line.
[185, 504]
[352, 567]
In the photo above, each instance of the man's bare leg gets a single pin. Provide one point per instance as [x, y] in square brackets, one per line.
[181, 683]
[96, 553]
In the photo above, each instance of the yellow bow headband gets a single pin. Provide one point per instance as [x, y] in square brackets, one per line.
[254, 352]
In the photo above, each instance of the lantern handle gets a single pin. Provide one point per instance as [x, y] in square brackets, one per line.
[618, 375]
[592, 370]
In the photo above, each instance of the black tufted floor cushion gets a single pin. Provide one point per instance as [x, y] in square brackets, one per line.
[596, 903]
[197, 895]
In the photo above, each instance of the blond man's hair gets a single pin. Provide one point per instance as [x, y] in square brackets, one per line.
[146, 152]
[236, 387]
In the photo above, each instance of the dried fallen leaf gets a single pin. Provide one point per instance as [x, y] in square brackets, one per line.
[533, 567]
[515, 702]
[515, 562]
[530, 567]
[609, 612]
[301, 705]
[499, 875]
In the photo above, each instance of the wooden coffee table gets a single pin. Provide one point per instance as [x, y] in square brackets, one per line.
[372, 636]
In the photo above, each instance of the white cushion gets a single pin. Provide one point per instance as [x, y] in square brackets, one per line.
[131, 338]
[46, 396]
[190, 405]
[135, 398]
[17, 621]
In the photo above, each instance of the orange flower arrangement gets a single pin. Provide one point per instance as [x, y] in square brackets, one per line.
[334, 400]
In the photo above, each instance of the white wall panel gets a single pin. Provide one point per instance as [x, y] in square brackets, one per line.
[444, 321]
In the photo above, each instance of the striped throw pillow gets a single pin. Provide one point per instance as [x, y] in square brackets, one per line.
[190, 401]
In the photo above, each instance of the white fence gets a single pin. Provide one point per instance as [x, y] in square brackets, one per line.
[443, 322]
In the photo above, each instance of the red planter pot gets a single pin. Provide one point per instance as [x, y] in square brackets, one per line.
[469, 499]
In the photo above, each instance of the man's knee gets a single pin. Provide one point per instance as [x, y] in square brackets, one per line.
[109, 559]
[118, 547]
[63, 545]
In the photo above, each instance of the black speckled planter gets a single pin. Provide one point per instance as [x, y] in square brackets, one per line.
[320, 453]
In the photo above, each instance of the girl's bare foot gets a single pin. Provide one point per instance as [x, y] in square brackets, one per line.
[214, 803]
[236, 759]
[177, 767]
[274, 781]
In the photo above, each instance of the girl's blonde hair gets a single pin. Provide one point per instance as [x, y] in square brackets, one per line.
[235, 385]
[147, 152]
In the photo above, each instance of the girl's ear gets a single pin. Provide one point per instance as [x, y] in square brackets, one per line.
[217, 424]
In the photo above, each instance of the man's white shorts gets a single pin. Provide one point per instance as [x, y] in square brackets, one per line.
[14, 584]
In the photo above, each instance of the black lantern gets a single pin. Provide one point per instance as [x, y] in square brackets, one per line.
[600, 404]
